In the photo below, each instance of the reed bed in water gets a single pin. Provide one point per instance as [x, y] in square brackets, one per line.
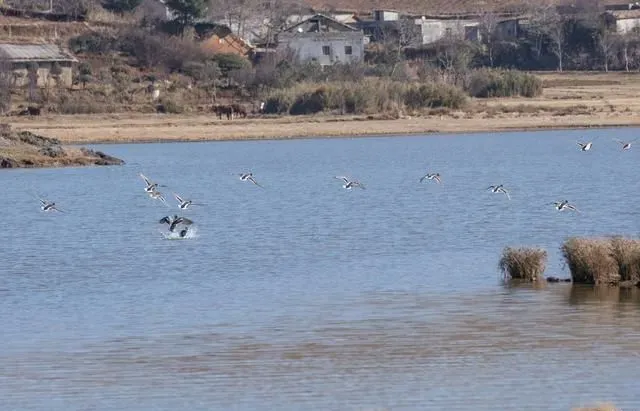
[527, 264]
[614, 261]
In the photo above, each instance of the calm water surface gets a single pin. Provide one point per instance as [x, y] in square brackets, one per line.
[308, 296]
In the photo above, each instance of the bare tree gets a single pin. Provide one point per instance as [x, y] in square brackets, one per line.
[548, 22]
[488, 32]
[399, 35]
[629, 46]
[5, 86]
[455, 56]
[608, 44]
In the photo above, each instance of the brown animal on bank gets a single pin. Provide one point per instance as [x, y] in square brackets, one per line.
[240, 110]
[30, 111]
[225, 110]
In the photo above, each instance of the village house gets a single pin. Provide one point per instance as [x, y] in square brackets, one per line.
[624, 21]
[20, 58]
[323, 39]
[220, 39]
[154, 10]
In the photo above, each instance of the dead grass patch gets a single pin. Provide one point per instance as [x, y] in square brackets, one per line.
[601, 261]
[523, 263]
[597, 407]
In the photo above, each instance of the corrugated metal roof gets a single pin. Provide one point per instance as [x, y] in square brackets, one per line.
[626, 14]
[34, 52]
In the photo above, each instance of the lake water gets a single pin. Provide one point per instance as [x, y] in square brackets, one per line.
[304, 295]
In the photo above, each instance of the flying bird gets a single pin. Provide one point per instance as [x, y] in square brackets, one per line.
[151, 186]
[431, 176]
[626, 145]
[499, 189]
[249, 177]
[585, 146]
[49, 206]
[174, 221]
[182, 203]
[157, 195]
[349, 184]
[564, 205]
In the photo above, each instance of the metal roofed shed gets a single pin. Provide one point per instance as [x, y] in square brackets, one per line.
[22, 56]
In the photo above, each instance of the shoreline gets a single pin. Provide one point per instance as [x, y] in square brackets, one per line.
[145, 129]
[570, 101]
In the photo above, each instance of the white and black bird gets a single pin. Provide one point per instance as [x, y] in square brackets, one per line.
[249, 177]
[585, 146]
[174, 221]
[157, 195]
[564, 205]
[151, 186]
[431, 176]
[48, 206]
[182, 203]
[626, 145]
[349, 184]
[499, 189]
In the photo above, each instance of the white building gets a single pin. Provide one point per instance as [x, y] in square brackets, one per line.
[323, 39]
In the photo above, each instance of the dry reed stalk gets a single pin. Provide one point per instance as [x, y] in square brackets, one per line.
[626, 252]
[523, 263]
[591, 261]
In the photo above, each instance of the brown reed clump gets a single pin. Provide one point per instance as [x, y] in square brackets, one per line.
[597, 407]
[591, 261]
[523, 263]
[626, 252]
[613, 261]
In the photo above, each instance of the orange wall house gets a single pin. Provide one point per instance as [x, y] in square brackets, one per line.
[228, 44]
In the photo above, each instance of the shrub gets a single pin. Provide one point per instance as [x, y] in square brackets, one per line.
[309, 102]
[432, 95]
[365, 96]
[81, 104]
[503, 83]
[95, 43]
[159, 51]
[229, 62]
[171, 106]
[526, 264]
[277, 103]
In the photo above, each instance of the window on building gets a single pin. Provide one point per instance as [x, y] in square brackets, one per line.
[326, 50]
[348, 50]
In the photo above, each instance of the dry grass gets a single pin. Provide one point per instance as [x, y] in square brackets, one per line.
[523, 263]
[626, 252]
[598, 407]
[602, 261]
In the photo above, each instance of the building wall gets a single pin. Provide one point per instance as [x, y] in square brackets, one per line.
[21, 77]
[433, 30]
[626, 25]
[227, 44]
[309, 46]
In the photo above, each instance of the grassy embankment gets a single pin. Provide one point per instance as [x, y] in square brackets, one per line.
[569, 100]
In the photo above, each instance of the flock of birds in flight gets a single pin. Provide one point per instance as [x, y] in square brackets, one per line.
[183, 224]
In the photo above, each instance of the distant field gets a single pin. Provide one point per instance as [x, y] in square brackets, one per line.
[570, 100]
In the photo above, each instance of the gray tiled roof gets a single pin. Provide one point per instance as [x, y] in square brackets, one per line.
[34, 52]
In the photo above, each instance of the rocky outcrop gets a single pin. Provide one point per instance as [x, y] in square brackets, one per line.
[26, 149]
